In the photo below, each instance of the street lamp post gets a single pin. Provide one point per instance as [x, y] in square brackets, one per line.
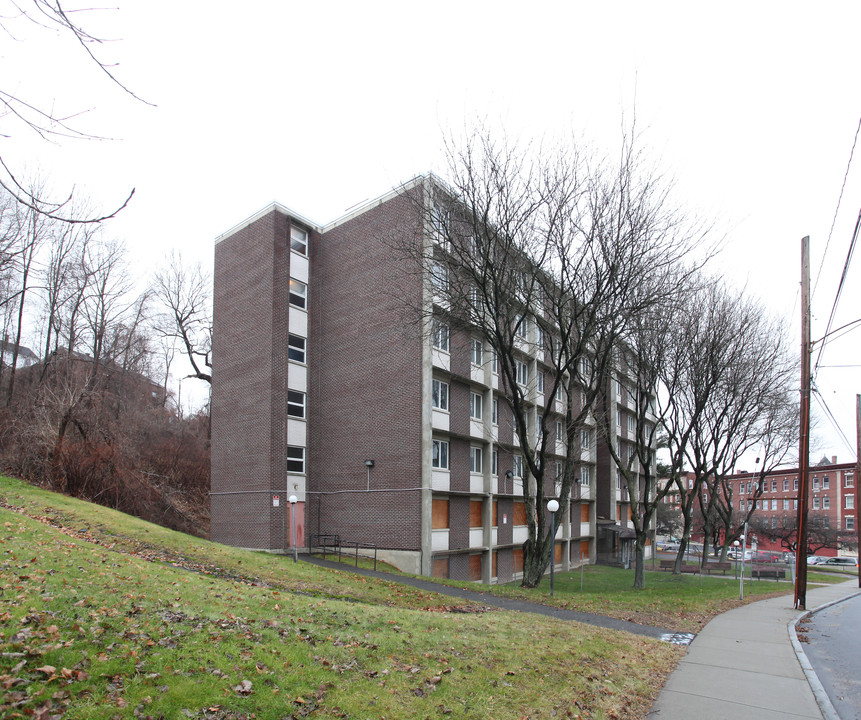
[552, 506]
[741, 577]
[293, 501]
[735, 545]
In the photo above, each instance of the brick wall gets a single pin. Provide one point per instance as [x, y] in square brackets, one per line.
[365, 389]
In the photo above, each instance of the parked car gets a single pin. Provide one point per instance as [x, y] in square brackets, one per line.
[842, 561]
[765, 556]
[815, 560]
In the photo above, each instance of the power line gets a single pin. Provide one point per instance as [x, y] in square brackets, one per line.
[833, 420]
[837, 209]
[840, 286]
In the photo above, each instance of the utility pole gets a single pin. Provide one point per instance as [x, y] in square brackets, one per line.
[804, 434]
[858, 476]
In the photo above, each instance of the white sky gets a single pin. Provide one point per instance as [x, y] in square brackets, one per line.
[751, 107]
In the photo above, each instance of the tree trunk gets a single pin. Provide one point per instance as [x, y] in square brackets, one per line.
[639, 563]
[535, 560]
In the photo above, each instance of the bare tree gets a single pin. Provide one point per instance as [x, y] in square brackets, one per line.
[727, 388]
[184, 294]
[19, 112]
[540, 256]
[784, 529]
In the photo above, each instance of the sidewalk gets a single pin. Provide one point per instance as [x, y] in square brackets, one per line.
[743, 665]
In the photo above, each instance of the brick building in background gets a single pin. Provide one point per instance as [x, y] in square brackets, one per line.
[387, 426]
[831, 505]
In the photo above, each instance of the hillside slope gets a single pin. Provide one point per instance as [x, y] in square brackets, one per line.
[106, 616]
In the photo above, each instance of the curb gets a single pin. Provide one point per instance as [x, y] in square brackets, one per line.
[822, 699]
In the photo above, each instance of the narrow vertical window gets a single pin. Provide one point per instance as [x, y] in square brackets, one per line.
[299, 240]
[295, 404]
[298, 294]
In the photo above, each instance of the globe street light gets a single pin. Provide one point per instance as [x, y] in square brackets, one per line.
[293, 500]
[552, 506]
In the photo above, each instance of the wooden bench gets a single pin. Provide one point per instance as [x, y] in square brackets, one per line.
[667, 564]
[760, 573]
[688, 568]
[715, 566]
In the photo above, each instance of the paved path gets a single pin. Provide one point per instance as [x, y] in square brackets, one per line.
[475, 596]
[747, 665]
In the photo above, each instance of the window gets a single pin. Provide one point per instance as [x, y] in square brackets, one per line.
[495, 411]
[439, 218]
[517, 466]
[476, 247]
[826, 482]
[439, 395]
[849, 480]
[475, 406]
[585, 475]
[795, 504]
[774, 486]
[850, 522]
[559, 396]
[440, 455]
[295, 459]
[631, 424]
[475, 354]
[439, 278]
[475, 459]
[540, 381]
[522, 372]
[741, 504]
[826, 521]
[786, 504]
[296, 348]
[560, 469]
[295, 404]
[849, 502]
[816, 503]
[559, 436]
[774, 503]
[773, 523]
[816, 483]
[585, 439]
[520, 326]
[440, 335]
[795, 484]
[740, 488]
[826, 503]
[618, 418]
[299, 240]
[785, 484]
[494, 460]
[494, 362]
[298, 293]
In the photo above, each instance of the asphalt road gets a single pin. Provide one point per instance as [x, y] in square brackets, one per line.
[834, 650]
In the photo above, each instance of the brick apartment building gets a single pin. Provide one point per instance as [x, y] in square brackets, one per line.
[831, 501]
[387, 426]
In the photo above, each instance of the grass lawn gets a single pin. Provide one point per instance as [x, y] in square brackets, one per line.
[106, 616]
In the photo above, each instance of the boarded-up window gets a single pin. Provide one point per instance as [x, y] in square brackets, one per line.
[518, 561]
[440, 567]
[475, 567]
[557, 553]
[440, 516]
[584, 512]
[495, 515]
[475, 513]
[520, 513]
[618, 511]
[584, 549]
[495, 556]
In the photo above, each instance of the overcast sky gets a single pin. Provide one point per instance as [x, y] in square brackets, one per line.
[751, 106]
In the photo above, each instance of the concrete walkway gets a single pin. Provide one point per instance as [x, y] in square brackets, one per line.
[748, 665]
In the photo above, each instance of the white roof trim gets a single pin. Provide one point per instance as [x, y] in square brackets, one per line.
[271, 207]
[355, 212]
